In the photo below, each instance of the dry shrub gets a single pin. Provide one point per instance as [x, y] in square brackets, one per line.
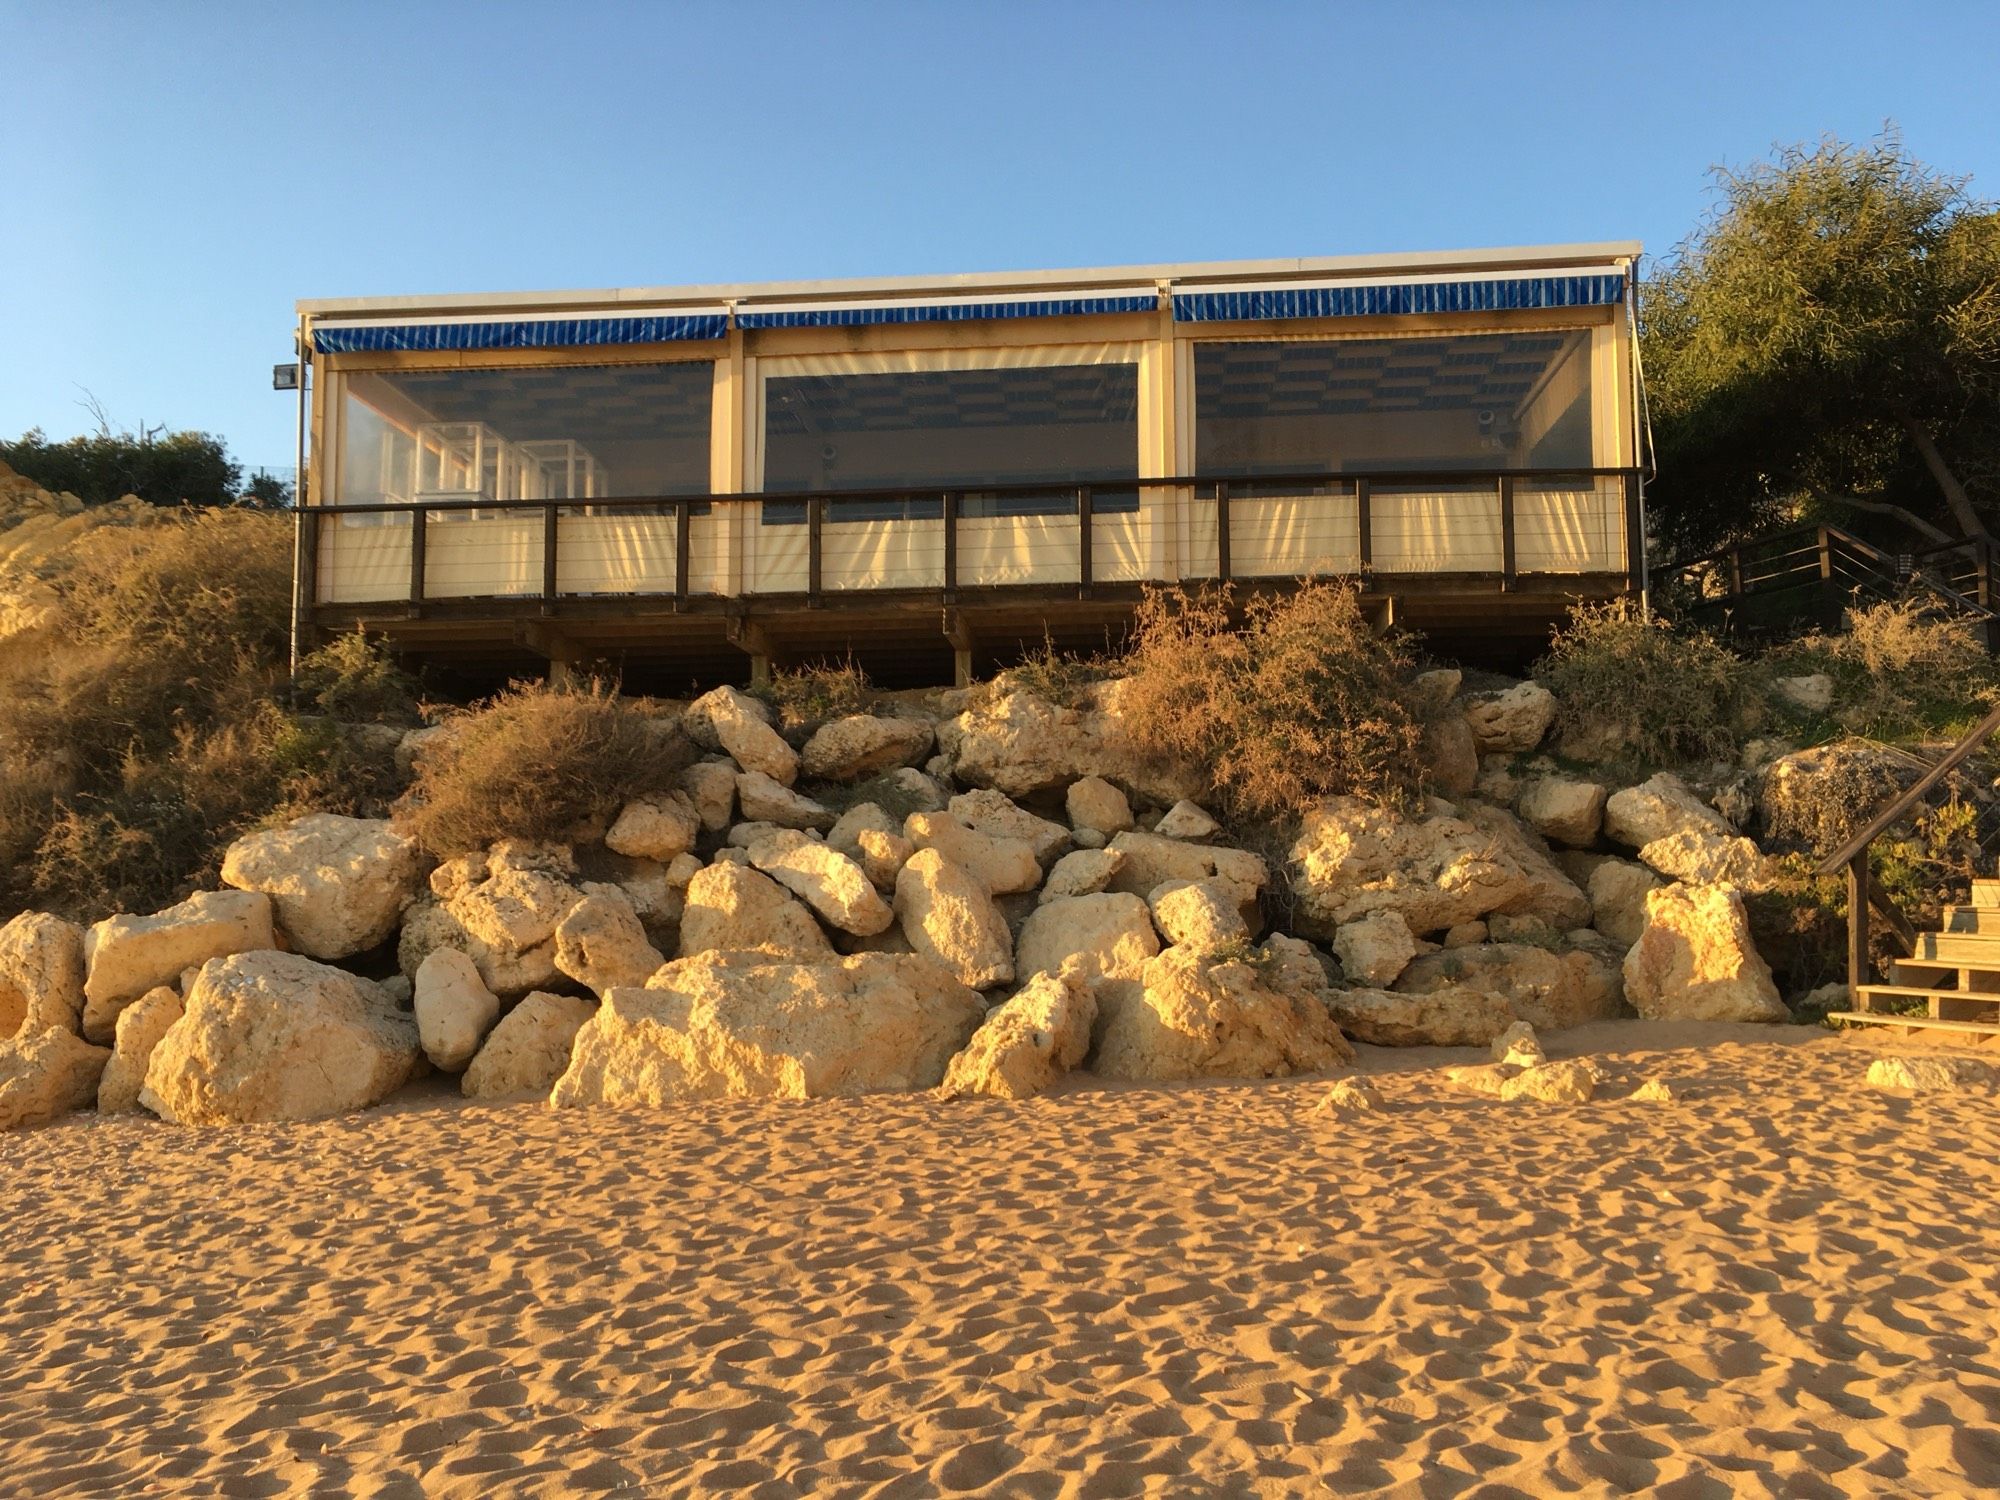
[356, 680]
[1302, 700]
[1900, 670]
[1638, 689]
[1827, 799]
[805, 697]
[539, 764]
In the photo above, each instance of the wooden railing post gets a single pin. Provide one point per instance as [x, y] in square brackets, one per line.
[1364, 525]
[1086, 526]
[1857, 928]
[1736, 572]
[1506, 532]
[549, 529]
[683, 531]
[1222, 531]
[815, 517]
[951, 546]
[419, 536]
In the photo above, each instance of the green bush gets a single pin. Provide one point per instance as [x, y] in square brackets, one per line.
[1296, 700]
[537, 764]
[356, 680]
[805, 697]
[1637, 689]
[1901, 670]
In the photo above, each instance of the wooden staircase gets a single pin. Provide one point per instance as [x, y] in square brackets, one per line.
[1954, 973]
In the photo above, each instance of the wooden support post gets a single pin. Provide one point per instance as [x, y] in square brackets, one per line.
[1364, 522]
[958, 631]
[754, 641]
[1222, 531]
[1735, 573]
[1086, 526]
[549, 527]
[1857, 928]
[419, 535]
[951, 500]
[815, 523]
[1506, 532]
[683, 529]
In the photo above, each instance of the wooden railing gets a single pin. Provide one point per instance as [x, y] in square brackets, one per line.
[949, 505]
[1852, 856]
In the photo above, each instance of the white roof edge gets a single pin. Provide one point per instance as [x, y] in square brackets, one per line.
[1517, 257]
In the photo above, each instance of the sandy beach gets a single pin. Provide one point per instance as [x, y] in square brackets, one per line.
[1783, 1283]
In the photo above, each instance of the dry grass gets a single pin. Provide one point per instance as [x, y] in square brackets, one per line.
[1637, 689]
[1295, 700]
[536, 764]
[806, 697]
[1901, 670]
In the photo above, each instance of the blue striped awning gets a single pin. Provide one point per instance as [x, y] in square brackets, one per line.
[427, 334]
[955, 310]
[1361, 300]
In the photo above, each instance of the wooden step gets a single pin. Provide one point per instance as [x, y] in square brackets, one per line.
[1986, 893]
[1958, 950]
[1942, 1004]
[1982, 921]
[1917, 1023]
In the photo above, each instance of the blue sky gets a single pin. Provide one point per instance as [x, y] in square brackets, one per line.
[175, 176]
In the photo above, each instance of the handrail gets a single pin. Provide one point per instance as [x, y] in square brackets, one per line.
[1886, 818]
[1803, 557]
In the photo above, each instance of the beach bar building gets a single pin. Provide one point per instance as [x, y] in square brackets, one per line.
[929, 474]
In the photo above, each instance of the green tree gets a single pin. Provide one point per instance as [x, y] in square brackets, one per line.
[1827, 342]
[173, 468]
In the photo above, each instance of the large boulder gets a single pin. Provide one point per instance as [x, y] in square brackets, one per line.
[739, 725]
[278, 1036]
[1512, 721]
[764, 799]
[41, 975]
[1375, 949]
[128, 955]
[454, 1009]
[732, 907]
[337, 885]
[1438, 871]
[1201, 1015]
[1081, 872]
[1003, 865]
[1150, 861]
[750, 1026]
[1095, 803]
[1024, 1045]
[1549, 990]
[1699, 858]
[1203, 915]
[1695, 961]
[1186, 820]
[1449, 754]
[47, 1074]
[1456, 1016]
[1110, 936]
[1570, 812]
[602, 944]
[998, 817]
[1657, 809]
[140, 1027]
[826, 880]
[530, 1048]
[1618, 891]
[863, 745]
[502, 908]
[948, 915]
[845, 835]
[1017, 742]
[711, 788]
[661, 827]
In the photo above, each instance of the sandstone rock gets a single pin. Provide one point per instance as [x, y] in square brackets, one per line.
[529, 1049]
[1703, 859]
[863, 745]
[661, 827]
[454, 1008]
[883, 856]
[1001, 865]
[1353, 858]
[1512, 721]
[1484, 1079]
[947, 913]
[1019, 743]
[1201, 915]
[140, 1027]
[41, 976]
[337, 885]
[1455, 1016]
[711, 788]
[1084, 872]
[601, 943]
[1374, 950]
[1202, 1015]
[1464, 935]
[732, 907]
[1694, 960]
[826, 880]
[1618, 892]
[1151, 861]
[1502, 928]
[915, 790]
[764, 800]
[740, 726]
[1570, 812]
[1432, 692]
[128, 955]
[45, 1074]
[1929, 1075]
[1024, 1045]
[430, 926]
[1450, 754]
[1518, 1047]
[278, 1036]
[845, 835]
[1812, 692]
[1550, 991]
[1658, 809]
[1570, 1082]
[1095, 803]
[1089, 838]
[750, 1025]
[1184, 820]
[989, 812]
[1348, 1096]
[1110, 935]
[744, 835]
[1655, 1091]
